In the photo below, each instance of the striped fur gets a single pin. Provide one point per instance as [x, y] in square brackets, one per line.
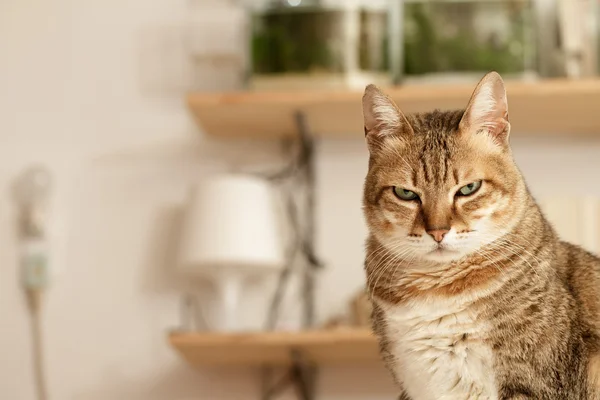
[502, 308]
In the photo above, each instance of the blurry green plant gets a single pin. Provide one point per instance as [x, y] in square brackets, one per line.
[439, 36]
[290, 42]
[427, 49]
[306, 40]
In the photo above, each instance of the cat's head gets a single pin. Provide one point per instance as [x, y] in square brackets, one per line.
[443, 184]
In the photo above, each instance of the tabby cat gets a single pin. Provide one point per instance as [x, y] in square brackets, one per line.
[474, 295]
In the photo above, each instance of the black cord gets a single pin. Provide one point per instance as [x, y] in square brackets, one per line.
[298, 174]
[308, 236]
[285, 275]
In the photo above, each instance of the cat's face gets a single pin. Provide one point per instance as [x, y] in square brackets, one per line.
[441, 185]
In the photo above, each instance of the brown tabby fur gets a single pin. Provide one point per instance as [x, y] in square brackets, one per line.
[541, 295]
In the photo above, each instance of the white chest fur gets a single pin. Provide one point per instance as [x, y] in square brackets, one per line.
[439, 351]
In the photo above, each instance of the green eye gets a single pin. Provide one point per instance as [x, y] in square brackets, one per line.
[469, 189]
[404, 194]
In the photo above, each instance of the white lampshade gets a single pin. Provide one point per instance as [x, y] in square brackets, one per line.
[231, 222]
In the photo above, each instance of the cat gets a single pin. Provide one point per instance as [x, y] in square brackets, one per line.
[474, 295]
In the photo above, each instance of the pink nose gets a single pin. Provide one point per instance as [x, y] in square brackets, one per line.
[438, 234]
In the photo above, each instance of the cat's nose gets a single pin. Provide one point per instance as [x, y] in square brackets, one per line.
[438, 234]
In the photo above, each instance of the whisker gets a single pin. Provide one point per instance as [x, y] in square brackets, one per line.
[389, 262]
[380, 268]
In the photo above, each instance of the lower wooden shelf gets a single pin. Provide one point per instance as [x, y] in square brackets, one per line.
[323, 347]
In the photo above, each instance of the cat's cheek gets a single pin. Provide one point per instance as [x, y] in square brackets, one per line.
[486, 231]
[397, 245]
[398, 221]
[391, 217]
[393, 235]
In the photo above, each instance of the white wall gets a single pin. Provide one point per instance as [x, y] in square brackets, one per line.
[70, 97]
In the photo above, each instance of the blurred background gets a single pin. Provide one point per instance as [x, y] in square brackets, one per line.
[181, 180]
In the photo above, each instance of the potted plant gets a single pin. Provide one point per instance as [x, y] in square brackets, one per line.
[298, 44]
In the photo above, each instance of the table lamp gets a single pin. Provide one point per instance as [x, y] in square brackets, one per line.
[231, 233]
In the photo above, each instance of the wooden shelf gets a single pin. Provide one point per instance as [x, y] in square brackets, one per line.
[544, 107]
[340, 346]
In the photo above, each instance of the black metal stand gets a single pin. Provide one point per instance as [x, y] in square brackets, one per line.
[302, 374]
[308, 238]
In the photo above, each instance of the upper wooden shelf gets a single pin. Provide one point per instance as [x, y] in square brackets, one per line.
[545, 107]
[337, 346]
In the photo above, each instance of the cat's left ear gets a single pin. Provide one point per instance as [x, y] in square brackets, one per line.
[487, 110]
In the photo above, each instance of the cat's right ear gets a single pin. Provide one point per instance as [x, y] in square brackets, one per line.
[382, 118]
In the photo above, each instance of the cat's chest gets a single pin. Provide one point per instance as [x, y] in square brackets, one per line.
[440, 351]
